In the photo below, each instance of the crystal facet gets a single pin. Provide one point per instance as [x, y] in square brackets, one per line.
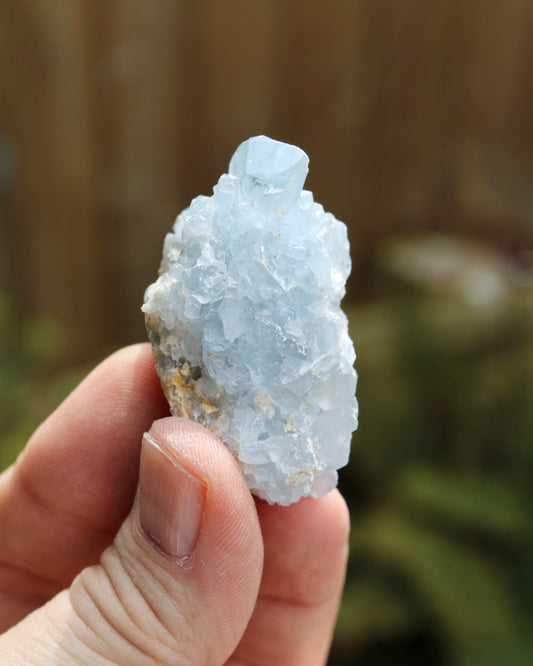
[246, 327]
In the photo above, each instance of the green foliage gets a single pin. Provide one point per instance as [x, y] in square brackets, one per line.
[438, 484]
[29, 386]
[458, 586]
[481, 505]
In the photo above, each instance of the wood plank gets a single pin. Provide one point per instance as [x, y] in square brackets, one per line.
[136, 114]
[48, 128]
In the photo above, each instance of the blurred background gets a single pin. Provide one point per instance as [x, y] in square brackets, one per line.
[418, 120]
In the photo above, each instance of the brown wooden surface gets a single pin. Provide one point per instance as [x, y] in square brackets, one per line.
[416, 115]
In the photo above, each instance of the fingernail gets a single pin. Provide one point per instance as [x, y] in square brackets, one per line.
[172, 501]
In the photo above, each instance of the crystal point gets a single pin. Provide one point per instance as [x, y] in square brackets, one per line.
[246, 327]
[270, 171]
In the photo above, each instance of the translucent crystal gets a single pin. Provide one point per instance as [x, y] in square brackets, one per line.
[246, 327]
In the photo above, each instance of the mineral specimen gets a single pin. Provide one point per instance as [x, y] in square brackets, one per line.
[246, 327]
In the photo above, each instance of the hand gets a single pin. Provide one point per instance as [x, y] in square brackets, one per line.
[177, 564]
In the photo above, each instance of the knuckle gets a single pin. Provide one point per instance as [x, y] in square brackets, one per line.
[123, 613]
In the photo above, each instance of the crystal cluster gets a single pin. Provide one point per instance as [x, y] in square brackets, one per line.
[246, 327]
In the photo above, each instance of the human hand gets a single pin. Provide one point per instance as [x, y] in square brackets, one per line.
[195, 572]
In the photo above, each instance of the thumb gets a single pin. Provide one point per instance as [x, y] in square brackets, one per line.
[180, 581]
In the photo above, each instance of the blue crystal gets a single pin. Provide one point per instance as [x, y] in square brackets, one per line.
[271, 173]
[245, 321]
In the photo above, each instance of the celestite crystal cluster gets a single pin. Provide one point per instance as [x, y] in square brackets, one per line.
[246, 326]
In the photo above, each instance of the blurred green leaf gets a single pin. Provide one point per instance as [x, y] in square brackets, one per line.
[29, 387]
[481, 504]
[373, 607]
[459, 585]
[41, 339]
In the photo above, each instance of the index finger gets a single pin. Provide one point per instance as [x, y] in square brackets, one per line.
[74, 483]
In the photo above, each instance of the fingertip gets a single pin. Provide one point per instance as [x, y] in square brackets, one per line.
[336, 514]
[306, 548]
[328, 515]
[198, 448]
[129, 375]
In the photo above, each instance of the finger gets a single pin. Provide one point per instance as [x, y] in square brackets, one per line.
[64, 499]
[178, 584]
[306, 548]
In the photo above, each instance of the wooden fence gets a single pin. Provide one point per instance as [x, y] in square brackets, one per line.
[113, 115]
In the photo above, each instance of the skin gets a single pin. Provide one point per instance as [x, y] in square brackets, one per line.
[82, 583]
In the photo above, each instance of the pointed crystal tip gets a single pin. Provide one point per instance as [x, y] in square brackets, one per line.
[263, 164]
